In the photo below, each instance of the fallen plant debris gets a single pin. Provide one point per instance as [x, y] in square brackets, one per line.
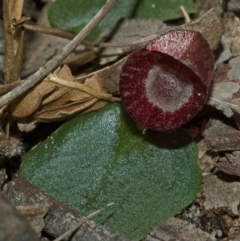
[84, 220]
[13, 224]
[231, 168]
[228, 137]
[53, 63]
[59, 218]
[35, 214]
[9, 147]
[60, 97]
[111, 74]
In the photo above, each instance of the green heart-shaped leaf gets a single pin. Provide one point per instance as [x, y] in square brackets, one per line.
[101, 157]
[73, 15]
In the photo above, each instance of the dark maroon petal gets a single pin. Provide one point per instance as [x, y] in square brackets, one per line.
[190, 48]
[165, 84]
[160, 92]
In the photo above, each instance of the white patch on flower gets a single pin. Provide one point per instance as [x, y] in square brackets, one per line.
[165, 90]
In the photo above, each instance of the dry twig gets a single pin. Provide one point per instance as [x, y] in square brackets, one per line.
[54, 62]
[84, 220]
[12, 10]
[53, 32]
[185, 14]
[84, 88]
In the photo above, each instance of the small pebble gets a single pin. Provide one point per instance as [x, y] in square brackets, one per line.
[219, 233]
[193, 207]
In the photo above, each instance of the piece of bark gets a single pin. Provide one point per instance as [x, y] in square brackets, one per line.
[221, 137]
[221, 193]
[229, 168]
[157, 234]
[34, 214]
[60, 217]
[176, 229]
[13, 226]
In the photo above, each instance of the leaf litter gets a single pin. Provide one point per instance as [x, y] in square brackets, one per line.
[51, 103]
[59, 97]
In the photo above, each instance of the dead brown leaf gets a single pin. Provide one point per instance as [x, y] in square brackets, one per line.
[76, 60]
[27, 104]
[61, 113]
[59, 97]
[7, 87]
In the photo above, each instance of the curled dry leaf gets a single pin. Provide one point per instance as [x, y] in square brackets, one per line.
[71, 103]
[7, 87]
[27, 104]
[60, 97]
